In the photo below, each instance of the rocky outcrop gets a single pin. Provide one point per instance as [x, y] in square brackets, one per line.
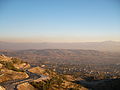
[2, 88]
[25, 86]
[5, 58]
[37, 70]
[1, 65]
[22, 66]
[8, 70]
[11, 75]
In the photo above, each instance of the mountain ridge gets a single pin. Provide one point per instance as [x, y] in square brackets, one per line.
[112, 46]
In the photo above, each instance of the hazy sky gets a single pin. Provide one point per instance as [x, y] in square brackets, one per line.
[59, 20]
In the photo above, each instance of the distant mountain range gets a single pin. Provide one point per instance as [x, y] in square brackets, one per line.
[101, 46]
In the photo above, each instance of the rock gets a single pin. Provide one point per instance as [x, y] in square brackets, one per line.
[12, 75]
[5, 58]
[42, 79]
[83, 88]
[69, 77]
[22, 66]
[37, 70]
[25, 86]
[2, 88]
[1, 65]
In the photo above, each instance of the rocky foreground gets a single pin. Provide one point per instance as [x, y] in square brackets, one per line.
[18, 75]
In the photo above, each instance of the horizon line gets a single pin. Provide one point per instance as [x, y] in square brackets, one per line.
[60, 41]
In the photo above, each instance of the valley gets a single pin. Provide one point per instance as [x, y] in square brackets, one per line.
[90, 68]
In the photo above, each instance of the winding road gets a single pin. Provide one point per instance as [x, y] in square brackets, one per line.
[12, 84]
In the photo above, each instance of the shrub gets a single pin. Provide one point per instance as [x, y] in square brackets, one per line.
[16, 61]
[54, 82]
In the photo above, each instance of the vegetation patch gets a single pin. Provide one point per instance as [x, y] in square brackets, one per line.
[9, 65]
[57, 82]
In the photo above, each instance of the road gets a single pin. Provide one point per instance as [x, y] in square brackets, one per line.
[12, 84]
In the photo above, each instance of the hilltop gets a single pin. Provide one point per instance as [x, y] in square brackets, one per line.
[12, 68]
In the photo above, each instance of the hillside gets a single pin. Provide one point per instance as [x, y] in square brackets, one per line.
[12, 68]
[16, 74]
[67, 56]
[111, 46]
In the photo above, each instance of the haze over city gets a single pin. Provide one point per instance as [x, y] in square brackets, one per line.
[59, 20]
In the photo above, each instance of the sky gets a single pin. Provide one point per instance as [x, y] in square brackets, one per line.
[59, 20]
